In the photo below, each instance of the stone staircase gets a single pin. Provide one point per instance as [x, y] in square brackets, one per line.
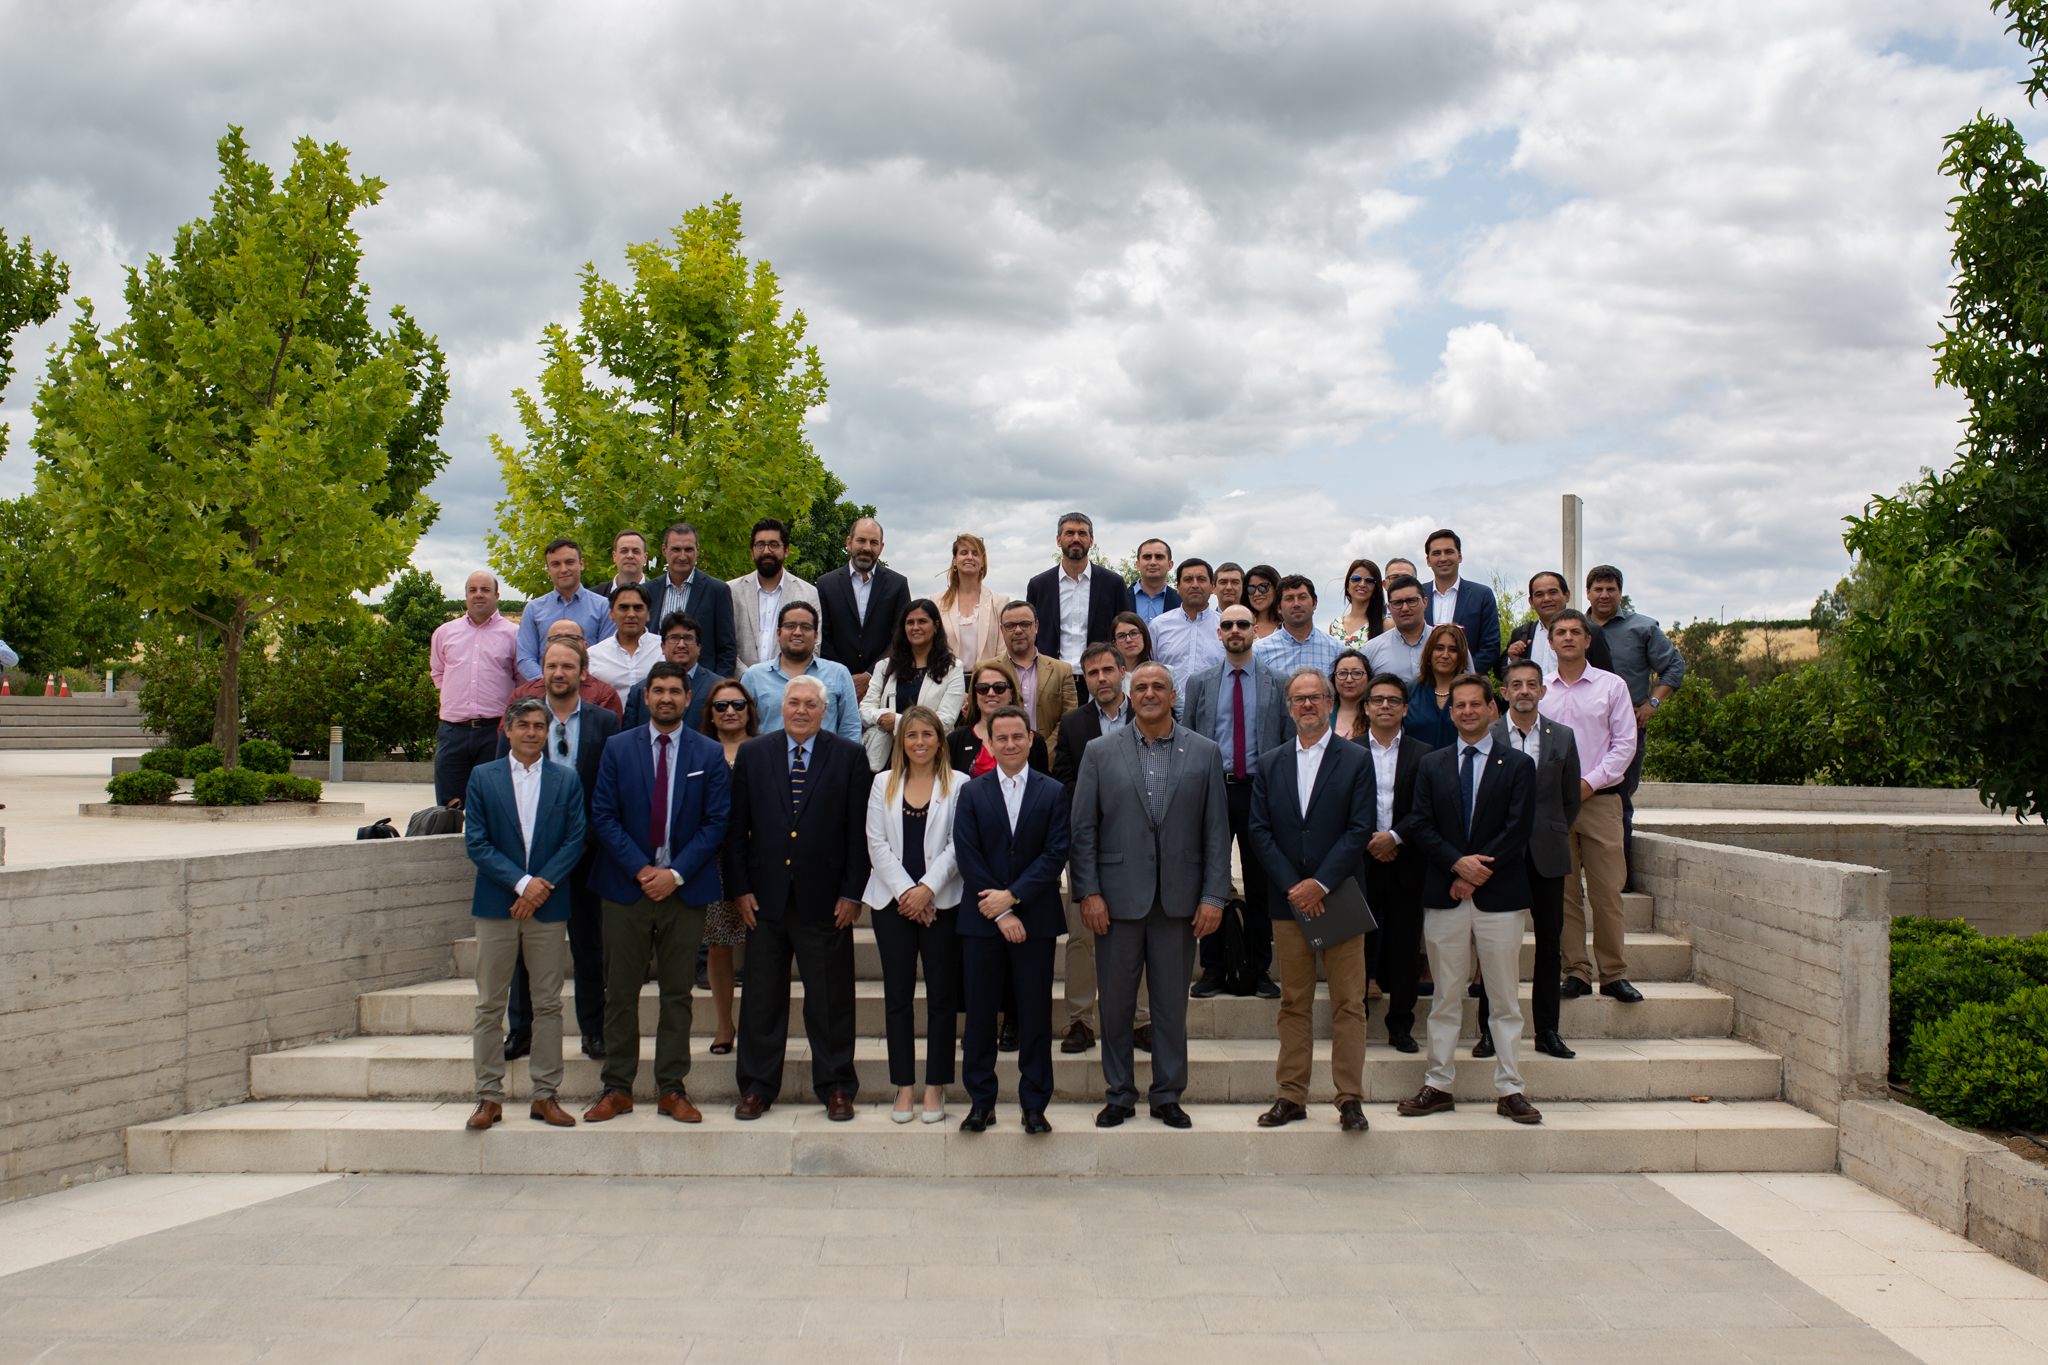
[1655, 1086]
[93, 721]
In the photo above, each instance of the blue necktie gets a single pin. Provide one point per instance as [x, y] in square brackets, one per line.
[1468, 782]
[796, 781]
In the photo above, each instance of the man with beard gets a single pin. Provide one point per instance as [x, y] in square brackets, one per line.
[759, 597]
[1075, 602]
[797, 630]
[862, 600]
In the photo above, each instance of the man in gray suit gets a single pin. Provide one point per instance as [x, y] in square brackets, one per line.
[1150, 862]
[1555, 751]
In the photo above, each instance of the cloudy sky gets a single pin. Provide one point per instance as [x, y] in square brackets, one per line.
[1278, 281]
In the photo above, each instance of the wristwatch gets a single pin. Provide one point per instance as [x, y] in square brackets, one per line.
[1656, 702]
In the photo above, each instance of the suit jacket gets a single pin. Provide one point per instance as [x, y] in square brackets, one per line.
[710, 602]
[945, 695]
[490, 829]
[700, 801]
[1203, 693]
[595, 727]
[1057, 695]
[1557, 794]
[1079, 728]
[1120, 854]
[1501, 821]
[1328, 842]
[1026, 864]
[988, 628]
[817, 854]
[1408, 864]
[1171, 597]
[1478, 616]
[885, 846]
[845, 638]
[746, 616]
[702, 680]
[1105, 599]
[1597, 652]
[963, 747]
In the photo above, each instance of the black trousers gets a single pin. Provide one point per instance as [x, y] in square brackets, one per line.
[586, 953]
[1546, 913]
[458, 750]
[1398, 941]
[824, 954]
[901, 943]
[1243, 944]
[989, 963]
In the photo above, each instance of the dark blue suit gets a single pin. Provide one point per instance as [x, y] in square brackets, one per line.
[702, 680]
[490, 828]
[1027, 864]
[1329, 843]
[710, 603]
[1503, 818]
[1478, 616]
[1106, 596]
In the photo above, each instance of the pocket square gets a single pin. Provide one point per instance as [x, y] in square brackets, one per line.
[698, 773]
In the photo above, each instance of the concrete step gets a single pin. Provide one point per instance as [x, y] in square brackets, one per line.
[1220, 1071]
[79, 703]
[11, 738]
[797, 1139]
[1670, 1009]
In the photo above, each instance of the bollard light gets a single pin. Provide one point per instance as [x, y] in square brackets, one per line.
[334, 753]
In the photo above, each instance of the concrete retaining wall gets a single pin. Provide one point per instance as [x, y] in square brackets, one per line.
[1968, 1184]
[1818, 800]
[136, 991]
[1804, 949]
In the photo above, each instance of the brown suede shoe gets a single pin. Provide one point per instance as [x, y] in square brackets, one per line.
[610, 1105]
[487, 1113]
[679, 1108]
[1428, 1100]
[1518, 1108]
[549, 1112]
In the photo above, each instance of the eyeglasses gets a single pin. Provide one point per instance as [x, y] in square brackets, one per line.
[1352, 675]
[1128, 635]
[989, 689]
[1384, 700]
[1404, 601]
[731, 704]
[800, 627]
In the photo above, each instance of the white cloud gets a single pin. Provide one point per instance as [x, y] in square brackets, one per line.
[1491, 383]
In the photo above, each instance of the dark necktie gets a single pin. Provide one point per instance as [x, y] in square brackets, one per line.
[1237, 723]
[657, 817]
[1468, 782]
[796, 782]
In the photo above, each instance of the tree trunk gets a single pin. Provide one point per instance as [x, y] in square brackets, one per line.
[227, 711]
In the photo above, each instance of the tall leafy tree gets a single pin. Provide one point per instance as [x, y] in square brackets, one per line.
[30, 293]
[681, 397]
[820, 544]
[247, 444]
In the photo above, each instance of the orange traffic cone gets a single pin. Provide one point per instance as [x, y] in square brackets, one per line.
[49, 684]
[63, 687]
[5, 690]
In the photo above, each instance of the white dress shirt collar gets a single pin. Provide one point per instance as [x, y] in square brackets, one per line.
[1308, 761]
[1013, 792]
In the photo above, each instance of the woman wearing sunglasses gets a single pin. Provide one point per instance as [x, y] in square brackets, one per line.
[1365, 612]
[994, 684]
[1262, 595]
[729, 718]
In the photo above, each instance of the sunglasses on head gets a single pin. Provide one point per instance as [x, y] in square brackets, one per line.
[984, 689]
[730, 704]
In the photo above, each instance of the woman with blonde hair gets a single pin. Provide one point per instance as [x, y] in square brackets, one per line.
[913, 897]
[1444, 657]
[971, 614]
[991, 685]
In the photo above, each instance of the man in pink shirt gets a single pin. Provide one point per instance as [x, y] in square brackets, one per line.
[1597, 707]
[475, 664]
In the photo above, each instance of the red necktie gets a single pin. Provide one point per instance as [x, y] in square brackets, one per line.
[657, 819]
[1237, 722]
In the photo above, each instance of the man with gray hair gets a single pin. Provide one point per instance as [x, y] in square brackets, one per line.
[1075, 601]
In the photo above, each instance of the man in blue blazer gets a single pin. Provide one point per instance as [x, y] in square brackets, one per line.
[577, 734]
[708, 600]
[1467, 605]
[1100, 594]
[1475, 808]
[522, 821]
[659, 815]
[1011, 834]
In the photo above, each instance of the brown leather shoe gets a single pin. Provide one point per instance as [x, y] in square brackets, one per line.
[1428, 1100]
[1518, 1108]
[1351, 1117]
[679, 1108]
[487, 1113]
[751, 1106]
[1141, 1037]
[547, 1111]
[610, 1105]
[839, 1106]
[1079, 1037]
[1283, 1111]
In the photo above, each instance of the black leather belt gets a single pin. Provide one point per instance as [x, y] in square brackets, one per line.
[477, 723]
[1244, 781]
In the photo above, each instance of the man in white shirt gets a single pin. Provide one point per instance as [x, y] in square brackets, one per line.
[1399, 650]
[622, 660]
[1075, 602]
[758, 597]
[1184, 637]
[1393, 865]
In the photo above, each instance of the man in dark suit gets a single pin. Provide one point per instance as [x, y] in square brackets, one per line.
[577, 734]
[523, 827]
[1467, 605]
[1548, 595]
[1076, 602]
[708, 600]
[1393, 860]
[1011, 833]
[629, 562]
[1475, 804]
[1239, 957]
[1151, 867]
[1554, 749]
[1312, 812]
[1106, 711]
[660, 815]
[798, 851]
[863, 600]
[681, 643]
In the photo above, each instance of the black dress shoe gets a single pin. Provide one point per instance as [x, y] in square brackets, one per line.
[1402, 1042]
[1263, 987]
[1472, 991]
[517, 1045]
[1113, 1114]
[1209, 986]
[1172, 1115]
[1241, 986]
[1622, 991]
[1550, 1044]
[1484, 1047]
[1283, 1111]
[977, 1120]
[593, 1048]
[1141, 1037]
[1351, 1117]
[1006, 1037]
[1035, 1124]
[1573, 988]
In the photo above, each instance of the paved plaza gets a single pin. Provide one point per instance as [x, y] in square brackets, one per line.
[400, 1269]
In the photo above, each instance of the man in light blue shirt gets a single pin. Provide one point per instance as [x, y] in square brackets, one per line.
[1185, 637]
[1151, 594]
[1297, 644]
[796, 634]
[570, 600]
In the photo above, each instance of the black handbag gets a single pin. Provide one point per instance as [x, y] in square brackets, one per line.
[434, 820]
[381, 830]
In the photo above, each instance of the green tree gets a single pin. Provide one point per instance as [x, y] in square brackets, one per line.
[680, 398]
[30, 292]
[56, 612]
[240, 448]
[414, 606]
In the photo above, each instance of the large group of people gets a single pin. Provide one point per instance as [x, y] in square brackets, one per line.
[1172, 782]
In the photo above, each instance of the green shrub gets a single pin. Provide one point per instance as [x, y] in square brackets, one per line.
[1986, 1065]
[144, 788]
[180, 682]
[362, 674]
[170, 761]
[285, 787]
[201, 758]
[230, 787]
[1949, 965]
[263, 756]
[1912, 930]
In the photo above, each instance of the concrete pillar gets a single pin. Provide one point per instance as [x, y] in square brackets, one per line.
[1575, 548]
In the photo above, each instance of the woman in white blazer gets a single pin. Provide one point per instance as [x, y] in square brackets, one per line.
[918, 670]
[913, 898]
[971, 614]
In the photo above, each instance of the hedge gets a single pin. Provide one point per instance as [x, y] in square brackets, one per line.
[264, 756]
[144, 788]
[231, 787]
[1970, 1022]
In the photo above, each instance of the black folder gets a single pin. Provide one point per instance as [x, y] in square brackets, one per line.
[1345, 916]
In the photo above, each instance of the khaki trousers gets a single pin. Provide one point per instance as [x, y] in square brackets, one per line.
[1598, 858]
[1344, 966]
[1452, 938]
[499, 945]
[1080, 992]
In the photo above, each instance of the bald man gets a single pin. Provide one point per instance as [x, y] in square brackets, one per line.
[474, 660]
